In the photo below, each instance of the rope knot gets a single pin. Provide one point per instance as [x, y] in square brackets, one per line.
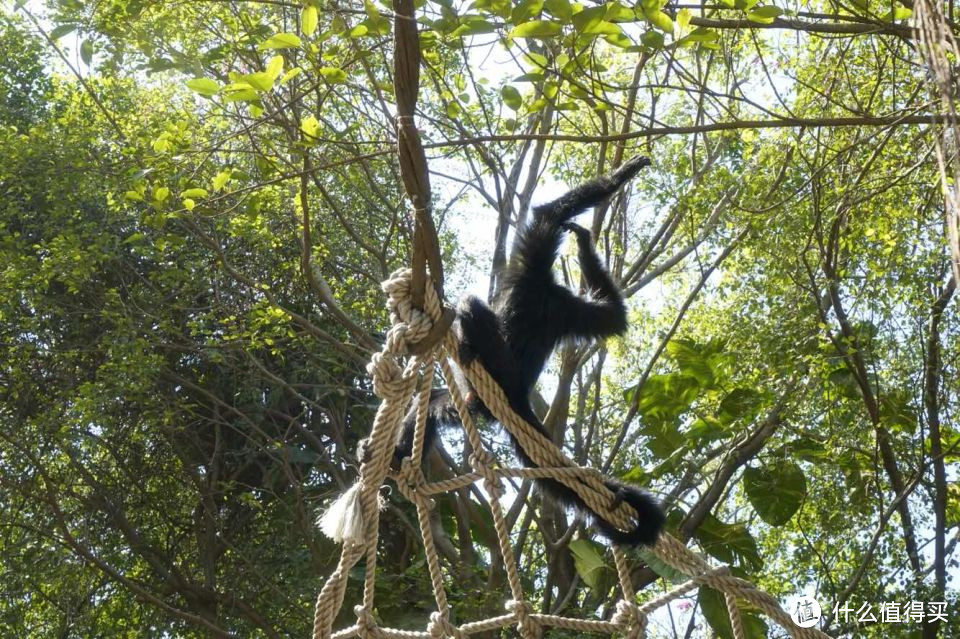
[440, 627]
[387, 376]
[366, 624]
[523, 610]
[629, 616]
[480, 460]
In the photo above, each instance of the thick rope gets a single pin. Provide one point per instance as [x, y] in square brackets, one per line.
[397, 385]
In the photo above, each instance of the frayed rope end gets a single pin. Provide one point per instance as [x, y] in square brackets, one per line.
[343, 520]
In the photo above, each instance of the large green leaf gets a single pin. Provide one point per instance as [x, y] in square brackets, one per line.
[714, 607]
[588, 560]
[730, 543]
[775, 491]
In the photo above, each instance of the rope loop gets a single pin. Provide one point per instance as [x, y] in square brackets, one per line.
[440, 627]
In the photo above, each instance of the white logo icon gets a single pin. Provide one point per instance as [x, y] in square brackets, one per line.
[805, 612]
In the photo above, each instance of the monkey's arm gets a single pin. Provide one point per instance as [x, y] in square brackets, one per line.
[589, 193]
[595, 274]
[603, 315]
[538, 242]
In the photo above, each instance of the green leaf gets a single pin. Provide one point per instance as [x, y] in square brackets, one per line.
[529, 77]
[452, 109]
[660, 20]
[189, 204]
[740, 403]
[588, 18]
[274, 66]
[683, 19]
[280, 41]
[603, 28]
[308, 20]
[652, 39]
[619, 40]
[776, 491]
[692, 359]
[703, 35]
[525, 10]
[289, 75]
[358, 31]
[221, 179]
[537, 29]
[58, 32]
[730, 543]
[261, 80]
[241, 95]
[161, 193]
[763, 15]
[511, 97]
[309, 125]
[473, 25]
[953, 504]
[333, 75]
[86, 52]
[559, 8]
[898, 13]
[195, 192]
[588, 560]
[768, 11]
[204, 86]
[714, 607]
[902, 13]
[661, 567]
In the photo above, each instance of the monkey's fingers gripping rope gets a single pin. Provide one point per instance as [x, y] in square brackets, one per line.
[354, 518]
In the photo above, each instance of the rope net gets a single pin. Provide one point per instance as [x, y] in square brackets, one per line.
[354, 518]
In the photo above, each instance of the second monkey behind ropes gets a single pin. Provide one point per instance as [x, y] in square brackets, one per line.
[533, 314]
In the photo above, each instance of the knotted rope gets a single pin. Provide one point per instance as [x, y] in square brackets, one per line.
[354, 518]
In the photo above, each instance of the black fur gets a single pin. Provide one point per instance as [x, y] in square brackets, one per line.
[533, 314]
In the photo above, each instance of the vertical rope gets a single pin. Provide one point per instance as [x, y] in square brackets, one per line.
[480, 460]
[413, 161]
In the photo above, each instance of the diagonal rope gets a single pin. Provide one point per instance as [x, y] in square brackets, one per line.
[397, 385]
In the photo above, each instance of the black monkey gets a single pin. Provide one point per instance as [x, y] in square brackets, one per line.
[533, 314]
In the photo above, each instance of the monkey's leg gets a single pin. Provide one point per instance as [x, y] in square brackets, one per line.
[481, 337]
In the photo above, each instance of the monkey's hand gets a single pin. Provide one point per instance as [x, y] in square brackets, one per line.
[583, 235]
[630, 168]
